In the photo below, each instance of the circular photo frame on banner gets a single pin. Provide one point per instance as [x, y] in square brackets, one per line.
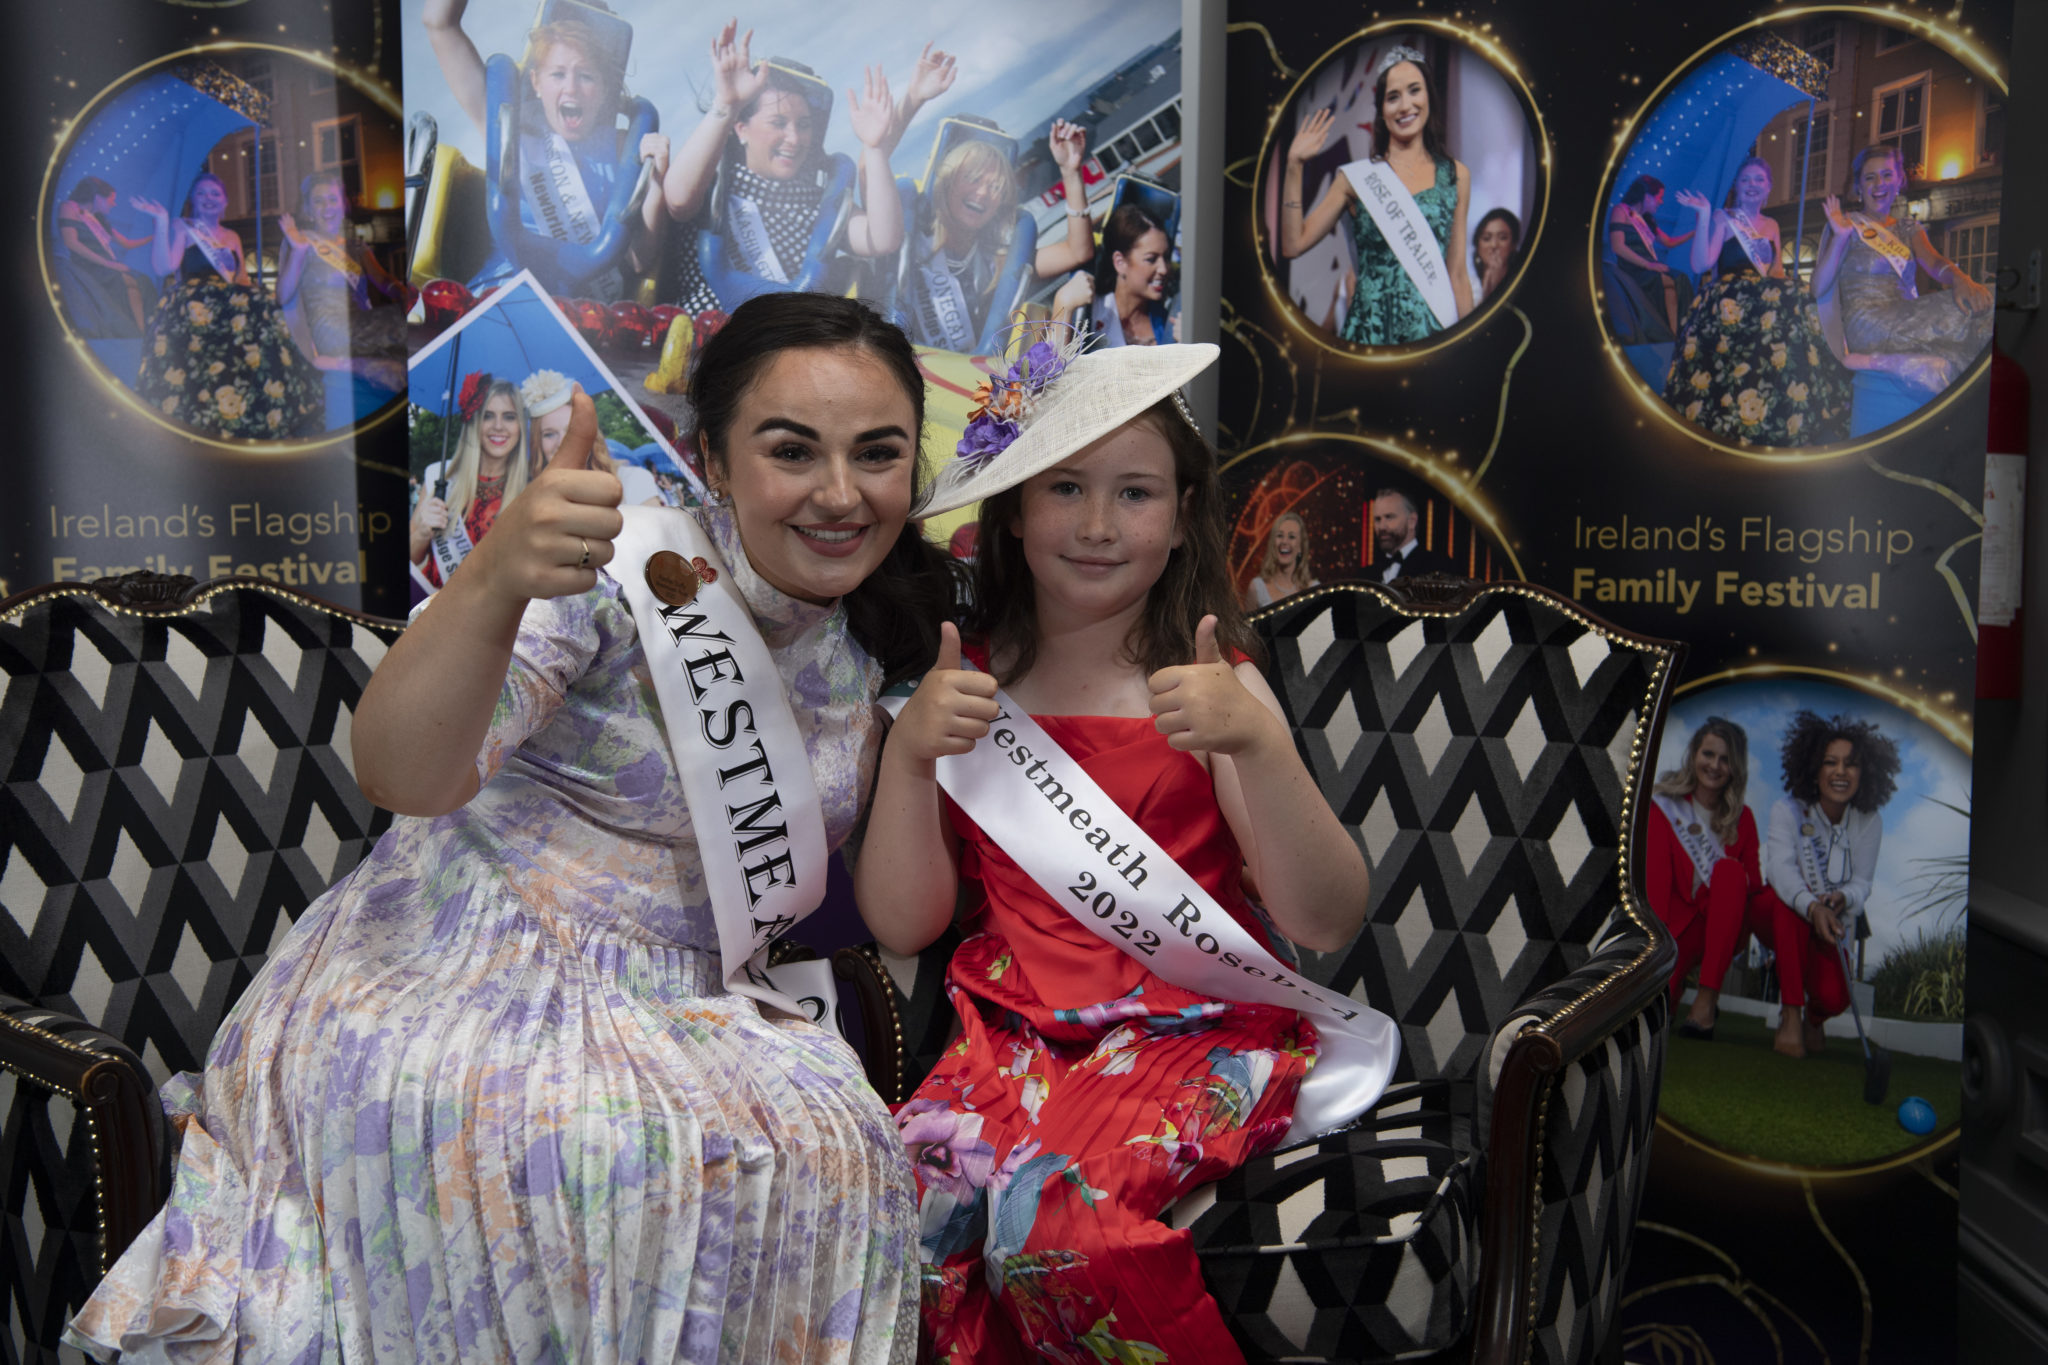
[1356, 504]
[221, 234]
[1403, 186]
[1818, 1017]
[1796, 242]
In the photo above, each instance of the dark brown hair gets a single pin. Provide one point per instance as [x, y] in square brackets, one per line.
[1806, 744]
[1122, 232]
[1432, 129]
[1196, 581]
[895, 613]
[89, 189]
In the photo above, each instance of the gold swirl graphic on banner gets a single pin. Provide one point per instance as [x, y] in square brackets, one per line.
[1677, 1344]
[1507, 377]
[1272, 48]
[1976, 516]
[365, 81]
[1942, 33]
[1862, 1285]
[1486, 46]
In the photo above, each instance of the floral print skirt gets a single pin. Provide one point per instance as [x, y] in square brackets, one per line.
[218, 359]
[1044, 1157]
[476, 1131]
[1753, 369]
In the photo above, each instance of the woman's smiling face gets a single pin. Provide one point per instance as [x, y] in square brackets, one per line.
[818, 463]
[497, 426]
[1496, 240]
[780, 136]
[1141, 271]
[209, 200]
[1752, 187]
[327, 207]
[1879, 183]
[1406, 104]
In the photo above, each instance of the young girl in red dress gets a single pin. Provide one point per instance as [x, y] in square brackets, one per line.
[1085, 1093]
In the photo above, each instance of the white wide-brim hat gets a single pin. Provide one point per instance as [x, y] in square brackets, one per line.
[1098, 392]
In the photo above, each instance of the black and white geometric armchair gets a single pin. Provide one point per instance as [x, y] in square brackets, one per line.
[175, 788]
[1490, 746]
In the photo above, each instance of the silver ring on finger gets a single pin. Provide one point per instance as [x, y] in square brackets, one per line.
[584, 562]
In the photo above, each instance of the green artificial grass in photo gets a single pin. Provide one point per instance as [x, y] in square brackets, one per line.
[1745, 1099]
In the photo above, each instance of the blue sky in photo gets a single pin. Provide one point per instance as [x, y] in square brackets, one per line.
[1917, 826]
[1016, 69]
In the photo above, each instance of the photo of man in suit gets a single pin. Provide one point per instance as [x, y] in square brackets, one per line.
[1395, 551]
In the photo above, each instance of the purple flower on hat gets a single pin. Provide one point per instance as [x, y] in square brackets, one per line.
[1040, 365]
[986, 437]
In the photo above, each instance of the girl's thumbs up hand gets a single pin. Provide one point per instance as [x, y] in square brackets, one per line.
[1204, 706]
[950, 710]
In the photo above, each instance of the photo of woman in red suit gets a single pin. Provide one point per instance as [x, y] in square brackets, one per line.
[1703, 870]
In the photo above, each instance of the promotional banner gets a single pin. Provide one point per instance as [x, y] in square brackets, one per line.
[209, 307]
[1689, 321]
[653, 174]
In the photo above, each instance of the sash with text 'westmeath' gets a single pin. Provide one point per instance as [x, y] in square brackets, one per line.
[1407, 232]
[753, 804]
[1093, 861]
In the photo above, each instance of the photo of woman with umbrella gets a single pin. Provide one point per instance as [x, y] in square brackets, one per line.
[106, 293]
[489, 470]
[513, 362]
[217, 356]
[1752, 366]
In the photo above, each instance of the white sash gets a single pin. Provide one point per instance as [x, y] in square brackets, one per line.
[1754, 244]
[1067, 834]
[750, 238]
[1884, 242]
[753, 804]
[1823, 849]
[1695, 836]
[1407, 232]
[947, 319]
[219, 257]
[553, 182]
[451, 545]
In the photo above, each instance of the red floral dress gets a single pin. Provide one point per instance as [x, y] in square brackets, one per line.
[1086, 1095]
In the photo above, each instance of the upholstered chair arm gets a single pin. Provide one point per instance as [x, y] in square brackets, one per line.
[1586, 1039]
[94, 1071]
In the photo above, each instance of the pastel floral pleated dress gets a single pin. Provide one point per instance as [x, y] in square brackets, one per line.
[489, 1101]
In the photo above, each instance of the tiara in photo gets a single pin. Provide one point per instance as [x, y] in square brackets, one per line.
[1393, 56]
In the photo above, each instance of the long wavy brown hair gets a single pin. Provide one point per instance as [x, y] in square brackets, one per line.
[1195, 583]
[1683, 781]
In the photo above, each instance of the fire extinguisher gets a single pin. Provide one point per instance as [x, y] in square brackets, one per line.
[1999, 647]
